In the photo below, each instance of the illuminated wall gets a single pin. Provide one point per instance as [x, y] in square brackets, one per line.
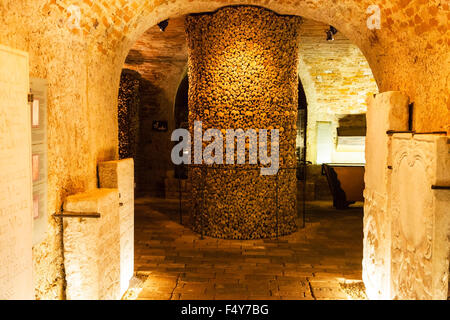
[243, 75]
[337, 80]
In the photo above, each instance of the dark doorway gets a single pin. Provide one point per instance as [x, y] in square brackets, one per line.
[181, 109]
[181, 116]
[302, 124]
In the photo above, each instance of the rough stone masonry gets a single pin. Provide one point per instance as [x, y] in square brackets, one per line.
[243, 75]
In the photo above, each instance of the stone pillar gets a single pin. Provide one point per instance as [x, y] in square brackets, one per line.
[92, 246]
[420, 216]
[243, 75]
[386, 111]
[128, 113]
[120, 175]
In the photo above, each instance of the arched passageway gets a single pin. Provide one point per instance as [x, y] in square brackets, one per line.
[80, 49]
[156, 217]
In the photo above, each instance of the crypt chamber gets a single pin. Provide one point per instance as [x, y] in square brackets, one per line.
[188, 150]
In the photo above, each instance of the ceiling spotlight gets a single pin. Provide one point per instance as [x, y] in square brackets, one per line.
[330, 33]
[163, 25]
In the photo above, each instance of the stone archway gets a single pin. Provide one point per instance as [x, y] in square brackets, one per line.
[369, 45]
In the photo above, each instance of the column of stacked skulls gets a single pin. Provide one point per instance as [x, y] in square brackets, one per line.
[243, 75]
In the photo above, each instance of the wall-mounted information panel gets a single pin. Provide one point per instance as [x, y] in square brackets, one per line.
[38, 105]
[16, 262]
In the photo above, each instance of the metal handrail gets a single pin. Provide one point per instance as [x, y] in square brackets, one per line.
[391, 132]
[70, 214]
[205, 167]
[434, 187]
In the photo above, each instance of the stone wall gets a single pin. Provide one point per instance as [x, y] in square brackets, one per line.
[82, 115]
[337, 80]
[82, 63]
[243, 75]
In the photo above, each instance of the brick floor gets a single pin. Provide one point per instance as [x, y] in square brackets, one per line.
[316, 262]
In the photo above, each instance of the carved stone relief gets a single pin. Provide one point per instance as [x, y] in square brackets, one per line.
[386, 111]
[417, 215]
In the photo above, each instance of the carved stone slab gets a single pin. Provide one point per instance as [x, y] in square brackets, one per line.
[15, 178]
[386, 111]
[120, 174]
[420, 216]
[92, 246]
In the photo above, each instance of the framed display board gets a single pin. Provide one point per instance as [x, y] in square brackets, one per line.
[38, 106]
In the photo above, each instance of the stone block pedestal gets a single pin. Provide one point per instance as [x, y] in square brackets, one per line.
[120, 174]
[406, 220]
[92, 245]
